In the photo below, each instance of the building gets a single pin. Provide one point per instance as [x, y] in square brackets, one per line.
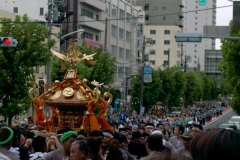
[196, 16]
[190, 17]
[161, 25]
[212, 62]
[163, 51]
[162, 12]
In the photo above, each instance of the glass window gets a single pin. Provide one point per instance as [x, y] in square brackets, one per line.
[128, 17]
[97, 38]
[128, 54]
[41, 11]
[121, 53]
[152, 31]
[86, 35]
[121, 33]
[127, 71]
[146, 7]
[114, 31]
[166, 42]
[122, 14]
[97, 17]
[153, 42]
[128, 36]
[86, 13]
[114, 50]
[164, 18]
[120, 72]
[152, 52]
[114, 11]
[107, 7]
[166, 31]
[166, 52]
[15, 9]
[146, 17]
[152, 62]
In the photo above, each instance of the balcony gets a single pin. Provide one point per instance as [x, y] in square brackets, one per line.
[91, 23]
[98, 4]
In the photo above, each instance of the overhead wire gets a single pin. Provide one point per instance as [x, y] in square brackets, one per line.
[114, 19]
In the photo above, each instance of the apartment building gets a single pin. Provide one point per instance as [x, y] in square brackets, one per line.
[162, 51]
[197, 16]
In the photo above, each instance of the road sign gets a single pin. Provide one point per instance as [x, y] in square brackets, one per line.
[202, 2]
[188, 37]
[147, 77]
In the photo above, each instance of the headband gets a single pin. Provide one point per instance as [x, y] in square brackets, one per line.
[9, 138]
[67, 135]
[108, 134]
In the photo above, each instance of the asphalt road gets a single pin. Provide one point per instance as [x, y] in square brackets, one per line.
[220, 120]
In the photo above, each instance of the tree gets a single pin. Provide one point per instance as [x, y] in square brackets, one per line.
[17, 64]
[230, 66]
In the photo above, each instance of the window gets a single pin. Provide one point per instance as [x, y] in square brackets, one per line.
[127, 72]
[114, 31]
[146, 17]
[166, 42]
[164, 18]
[128, 36]
[128, 54]
[121, 33]
[86, 13]
[114, 50]
[97, 38]
[97, 17]
[152, 62]
[122, 14]
[107, 7]
[153, 42]
[152, 52]
[166, 31]
[86, 35]
[114, 11]
[41, 11]
[120, 72]
[128, 17]
[152, 31]
[164, 8]
[146, 7]
[165, 63]
[15, 9]
[166, 52]
[121, 53]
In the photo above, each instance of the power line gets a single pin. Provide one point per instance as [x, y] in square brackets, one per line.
[115, 19]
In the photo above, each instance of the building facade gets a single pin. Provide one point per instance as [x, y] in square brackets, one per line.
[163, 51]
[213, 59]
[197, 16]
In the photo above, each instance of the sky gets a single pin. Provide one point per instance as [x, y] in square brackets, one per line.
[224, 16]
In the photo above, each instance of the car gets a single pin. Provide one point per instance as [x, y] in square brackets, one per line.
[235, 120]
[230, 126]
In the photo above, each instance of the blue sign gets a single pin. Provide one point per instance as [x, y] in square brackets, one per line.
[202, 2]
[147, 77]
[147, 70]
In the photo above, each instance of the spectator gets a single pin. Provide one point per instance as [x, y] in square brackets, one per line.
[216, 144]
[6, 141]
[79, 150]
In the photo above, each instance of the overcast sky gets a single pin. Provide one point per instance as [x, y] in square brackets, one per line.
[224, 15]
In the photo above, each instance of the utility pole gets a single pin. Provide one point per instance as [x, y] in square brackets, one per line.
[142, 75]
[50, 20]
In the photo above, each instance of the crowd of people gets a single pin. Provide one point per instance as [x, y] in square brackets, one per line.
[148, 137]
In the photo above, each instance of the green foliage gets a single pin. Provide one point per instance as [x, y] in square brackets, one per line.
[230, 66]
[16, 67]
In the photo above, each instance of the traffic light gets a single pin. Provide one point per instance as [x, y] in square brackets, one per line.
[8, 42]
